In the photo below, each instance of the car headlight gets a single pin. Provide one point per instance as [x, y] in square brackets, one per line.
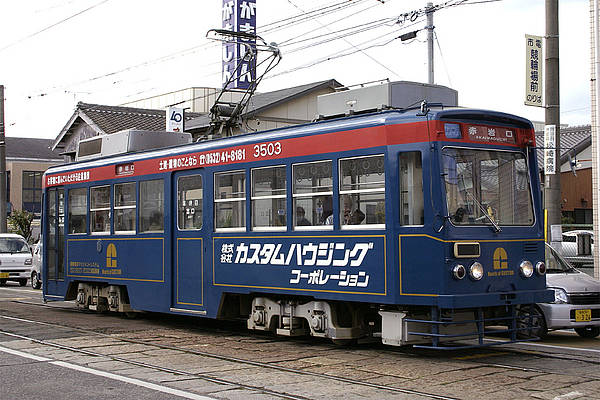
[459, 271]
[28, 261]
[476, 271]
[560, 296]
[526, 269]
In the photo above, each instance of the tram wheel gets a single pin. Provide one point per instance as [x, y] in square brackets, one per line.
[589, 332]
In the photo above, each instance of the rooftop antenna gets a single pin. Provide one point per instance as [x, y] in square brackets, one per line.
[226, 115]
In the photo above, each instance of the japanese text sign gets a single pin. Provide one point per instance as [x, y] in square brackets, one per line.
[239, 16]
[533, 71]
[550, 149]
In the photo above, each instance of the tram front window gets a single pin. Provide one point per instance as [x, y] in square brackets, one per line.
[485, 187]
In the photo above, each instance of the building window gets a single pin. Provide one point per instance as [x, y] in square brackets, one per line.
[411, 189]
[125, 205]
[32, 191]
[269, 198]
[78, 210]
[313, 194]
[362, 191]
[230, 200]
[100, 209]
[152, 206]
[189, 202]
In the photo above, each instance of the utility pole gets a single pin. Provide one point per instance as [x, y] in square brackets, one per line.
[429, 27]
[2, 165]
[552, 197]
[595, 92]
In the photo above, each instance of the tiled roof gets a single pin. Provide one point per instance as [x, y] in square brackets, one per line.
[30, 148]
[262, 101]
[572, 139]
[113, 119]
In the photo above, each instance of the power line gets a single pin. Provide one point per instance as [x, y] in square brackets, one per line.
[51, 26]
[351, 44]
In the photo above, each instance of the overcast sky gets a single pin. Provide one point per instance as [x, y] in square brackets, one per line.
[54, 53]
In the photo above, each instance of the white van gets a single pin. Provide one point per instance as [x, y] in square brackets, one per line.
[15, 259]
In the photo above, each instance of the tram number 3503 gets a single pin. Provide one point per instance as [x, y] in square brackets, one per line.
[267, 149]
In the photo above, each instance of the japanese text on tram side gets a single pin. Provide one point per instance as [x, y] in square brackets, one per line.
[310, 255]
[68, 178]
[220, 157]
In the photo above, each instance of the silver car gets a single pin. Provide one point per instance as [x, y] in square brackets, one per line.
[576, 299]
[36, 270]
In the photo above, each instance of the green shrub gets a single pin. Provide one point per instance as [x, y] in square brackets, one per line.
[19, 222]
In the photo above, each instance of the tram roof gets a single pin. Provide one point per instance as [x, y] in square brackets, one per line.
[387, 117]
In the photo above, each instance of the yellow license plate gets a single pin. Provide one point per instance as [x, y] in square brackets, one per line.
[4, 275]
[583, 315]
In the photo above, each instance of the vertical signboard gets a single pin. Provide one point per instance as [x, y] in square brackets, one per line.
[533, 70]
[174, 117]
[550, 149]
[239, 16]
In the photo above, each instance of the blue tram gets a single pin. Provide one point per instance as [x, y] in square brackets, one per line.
[417, 227]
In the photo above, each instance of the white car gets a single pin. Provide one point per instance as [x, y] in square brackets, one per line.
[36, 270]
[576, 302]
[569, 248]
[15, 259]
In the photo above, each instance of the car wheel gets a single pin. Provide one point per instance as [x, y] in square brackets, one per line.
[35, 281]
[588, 332]
[536, 316]
[23, 282]
[3, 282]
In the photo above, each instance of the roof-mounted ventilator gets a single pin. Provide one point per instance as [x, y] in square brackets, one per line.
[226, 115]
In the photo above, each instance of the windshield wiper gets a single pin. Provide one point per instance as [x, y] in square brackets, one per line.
[484, 211]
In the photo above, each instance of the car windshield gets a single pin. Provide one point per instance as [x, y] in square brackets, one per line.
[13, 245]
[555, 264]
[485, 187]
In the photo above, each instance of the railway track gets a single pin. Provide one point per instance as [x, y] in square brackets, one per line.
[181, 336]
[205, 376]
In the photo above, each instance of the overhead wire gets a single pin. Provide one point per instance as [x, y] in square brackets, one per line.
[21, 40]
[343, 53]
[184, 52]
[300, 18]
[351, 44]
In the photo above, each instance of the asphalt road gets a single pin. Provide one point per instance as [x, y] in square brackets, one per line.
[562, 365]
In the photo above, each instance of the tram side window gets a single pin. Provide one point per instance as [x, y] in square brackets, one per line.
[100, 209]
[269, 198]
[230, 200]
[411, 189]
[125, 205]
[189, 202]
[313, 194]
[152, 201]
[362, 191]
[78, 210]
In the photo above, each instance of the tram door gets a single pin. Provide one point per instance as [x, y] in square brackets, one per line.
[188, 276]
[55, 234]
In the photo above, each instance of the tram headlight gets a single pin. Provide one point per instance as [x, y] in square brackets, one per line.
[459, 271]
[476, 271]
[526, 269]
[540, 268]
